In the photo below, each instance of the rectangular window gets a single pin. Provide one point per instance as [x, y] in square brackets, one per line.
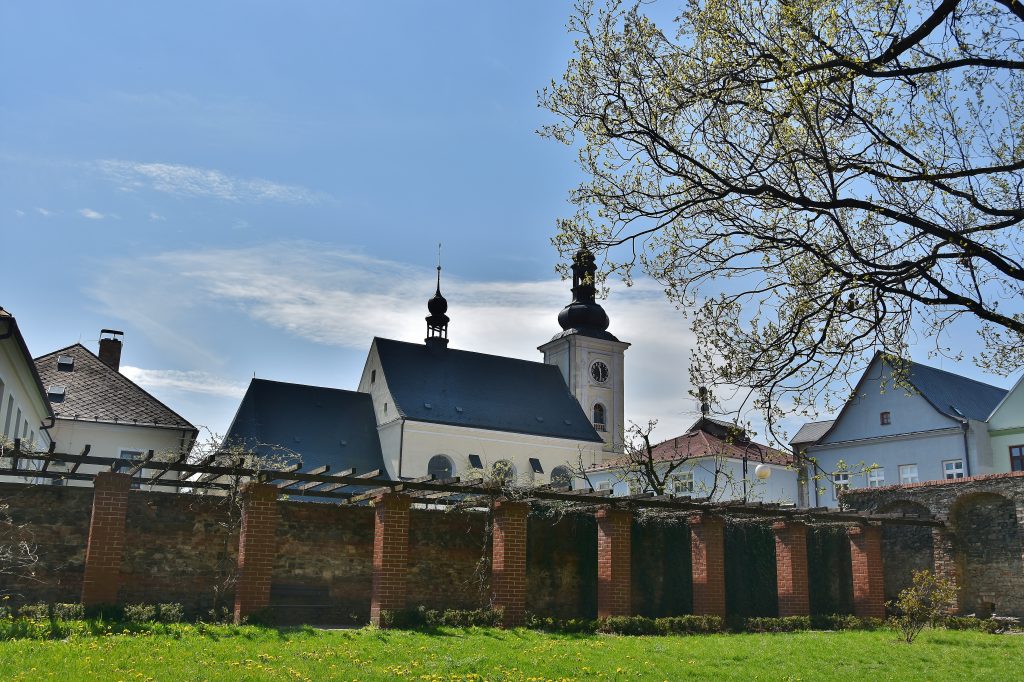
[876, 477]
[133, 456]
[681, 484]
[1017, 458]
[908, 474]
[885, 418]
[840, 482]
[953, 469]
[10, 411]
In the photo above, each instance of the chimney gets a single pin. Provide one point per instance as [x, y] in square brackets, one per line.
[110, 348]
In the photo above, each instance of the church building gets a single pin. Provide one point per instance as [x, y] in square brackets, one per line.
[428, 408]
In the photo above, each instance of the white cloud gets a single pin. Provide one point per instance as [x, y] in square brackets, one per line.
[90, 214]
[343, 299]
[192, 381]
[201, 182]
[18, 212]
[44, 212]
[153, 215]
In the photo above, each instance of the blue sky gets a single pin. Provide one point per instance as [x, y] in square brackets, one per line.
[260, 187]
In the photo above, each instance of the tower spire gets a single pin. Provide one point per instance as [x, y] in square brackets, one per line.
[437, 321]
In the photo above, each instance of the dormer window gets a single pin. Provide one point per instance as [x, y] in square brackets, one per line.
[56, 393]
[65, 363]
[885, 418]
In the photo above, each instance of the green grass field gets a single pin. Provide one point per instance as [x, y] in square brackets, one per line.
[187, 652]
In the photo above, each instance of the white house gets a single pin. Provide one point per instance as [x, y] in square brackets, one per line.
[451, 412]
[933, 428]
[1006, 430]
[25, 412]
[95, 405]
[713, 459]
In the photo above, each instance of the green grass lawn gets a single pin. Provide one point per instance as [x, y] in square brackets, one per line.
[186, 652]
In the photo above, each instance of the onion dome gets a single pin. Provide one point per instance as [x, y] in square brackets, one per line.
[584, 315]
[437, 321]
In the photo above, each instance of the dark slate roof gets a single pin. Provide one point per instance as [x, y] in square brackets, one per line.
[462, 388]
[953, 394]
[95, 392]
[811, 432]
[322, 425]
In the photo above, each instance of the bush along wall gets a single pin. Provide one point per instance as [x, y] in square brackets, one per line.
[829, 574]
[751, 588]
[661, 573]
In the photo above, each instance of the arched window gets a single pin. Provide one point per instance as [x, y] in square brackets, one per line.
[440, 466]
[599, 422]
[503, 471]
[561, 476]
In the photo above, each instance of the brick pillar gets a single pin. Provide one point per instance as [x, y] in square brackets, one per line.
[868, 579]
[257, 547]
[707, 542]
[614, 563]
[103, 554]
[944, 559]
[508, 563]
[791, 568]
[390, 554]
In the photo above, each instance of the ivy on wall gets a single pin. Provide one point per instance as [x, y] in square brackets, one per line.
[751, 588]
[829, 573]
[662, 578]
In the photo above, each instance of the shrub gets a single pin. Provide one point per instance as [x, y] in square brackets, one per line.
[786, 624]
[52, 611]
[989, 625]
[926, 601]
[627, 625]
[689, 625]
[140, 613]
[567, 625]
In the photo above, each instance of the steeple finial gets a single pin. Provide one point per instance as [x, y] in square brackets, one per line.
[437, 321]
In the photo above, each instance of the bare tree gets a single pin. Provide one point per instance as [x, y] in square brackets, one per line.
[817, 179]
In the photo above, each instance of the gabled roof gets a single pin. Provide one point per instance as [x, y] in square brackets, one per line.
[950, 394]
[709, 438]
[9, 328]
[811, 432]
[322, 425]
[462, 388]
[95, 392]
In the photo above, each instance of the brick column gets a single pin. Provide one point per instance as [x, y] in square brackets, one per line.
[791, 568]
[614, 563]
[944, 559]
[102, 579]
[508, 561]
[868, 580]
[390, 554]
[707, 543]
[257, 547]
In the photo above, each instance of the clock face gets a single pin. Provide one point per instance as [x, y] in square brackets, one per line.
[599, 371]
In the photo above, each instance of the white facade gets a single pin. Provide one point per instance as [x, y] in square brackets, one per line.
[125, 441]
[594, 370]
[24, 411]
[1006, 431]
[408, 445]
[720, 479]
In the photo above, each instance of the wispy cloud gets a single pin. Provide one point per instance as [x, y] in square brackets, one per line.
[338, 298]
[46, 213]
[90, 214]
[202, 182]
[191, 381]
[153, 215]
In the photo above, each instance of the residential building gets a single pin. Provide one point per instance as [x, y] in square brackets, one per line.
[98, 407]
[25, 412]
[713, 459]
[916, 424]
[1006, 430]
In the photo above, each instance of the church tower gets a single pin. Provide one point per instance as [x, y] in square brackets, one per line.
[590, 358]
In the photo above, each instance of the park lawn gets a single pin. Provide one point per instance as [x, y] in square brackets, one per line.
[187, 652]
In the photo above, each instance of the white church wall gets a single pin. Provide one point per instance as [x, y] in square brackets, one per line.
[423, 440]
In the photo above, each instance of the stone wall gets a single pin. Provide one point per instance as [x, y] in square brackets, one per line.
[985, 521]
